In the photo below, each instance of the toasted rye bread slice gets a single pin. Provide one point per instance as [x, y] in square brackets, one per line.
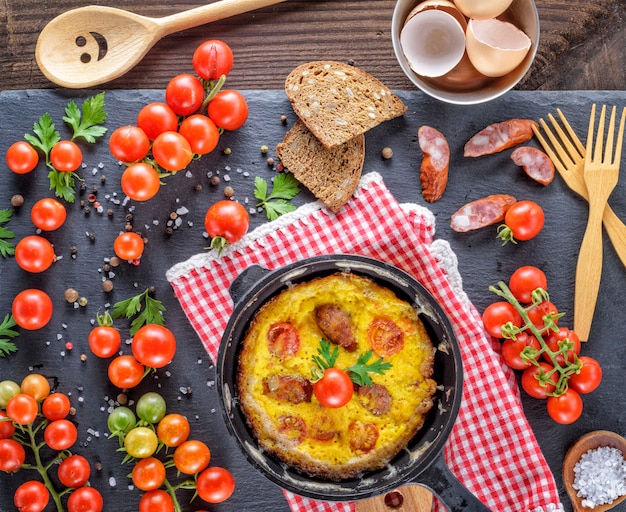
[337, 102]
[331, 175]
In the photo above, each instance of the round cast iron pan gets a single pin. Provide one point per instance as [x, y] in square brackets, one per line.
[422, 461]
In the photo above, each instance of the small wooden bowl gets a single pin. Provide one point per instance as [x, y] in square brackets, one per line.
[589, 441]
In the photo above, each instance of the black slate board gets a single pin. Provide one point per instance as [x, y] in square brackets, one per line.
[188, 383]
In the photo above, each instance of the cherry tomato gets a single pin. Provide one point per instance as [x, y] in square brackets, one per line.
[8, 389]
[172, 151]
[215, 485]
[129, 143]
[56, 406]
[74, 471]
[566, 408]
[32, 309]
[121, 420]
[537, 313]
[228, 220]
[154, 345]
[184, 94]
[35, 385]
[85, 499]
[148, 474]
[156, 501]
[524, 221]
[128, 246]
[21, 157]
[191, 457]
[31, 496]
[512, 350]
[212, 59]
[125, 372]
[334, 389]
[34, 253]
[525, 280]
[12, 455]
[201, 133]
[141, 442]
[151, 407]
[66, 156]
[589, 376]
[6, 426]
[173, 430]
[104, 340]
[283, 339]
[536, 386]
[228, 109]
[385, 337]
[156, 118]
[22, 409]
[140, 181]
[497, 314]
[48, 214]
[553, 339]
[60, 434]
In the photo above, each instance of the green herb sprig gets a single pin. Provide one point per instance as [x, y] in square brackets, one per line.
[285, 187]
[7, 333]
[6, 248]
[145, 308]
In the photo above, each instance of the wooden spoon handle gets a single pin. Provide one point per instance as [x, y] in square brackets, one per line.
[207, 13]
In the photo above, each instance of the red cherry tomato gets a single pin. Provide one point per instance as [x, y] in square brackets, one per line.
[31, 496]
[184, 94]
[34, 253]
[172, 151]
[512, 350]
[32, 309]
[60, 435]
[156, 118]
[227, 219]
[201, 133]
[129, 143]
[553, 339]
[104, 340]
[140, 181]
[173, 430]
[128, 246]
[523, 220]
[566, 408]
[588, 377]
[48, 214]
[228, 109]
[497, 314]
[215, 485]
[74, 471]
[21, 157]
[85, 499]
[334, 389]
[212, 59]
[56, 406]
[125, 372]
[6, 426]
[535, 380]
[156, 501]
[66, 156]
[537, 313]
[148, 474]
[12, 455]
[191, 457]
[525, 280]
[154, 345]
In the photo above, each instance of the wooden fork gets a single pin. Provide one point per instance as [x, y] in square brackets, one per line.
[601, 174]
[568, 155]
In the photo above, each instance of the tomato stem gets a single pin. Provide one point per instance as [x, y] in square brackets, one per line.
[172, 492]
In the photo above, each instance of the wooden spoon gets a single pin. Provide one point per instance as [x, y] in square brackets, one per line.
[589, 441]
[410, 498]
[95, 44]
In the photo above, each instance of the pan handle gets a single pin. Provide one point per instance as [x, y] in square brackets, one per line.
[245, 281]
[440, 480]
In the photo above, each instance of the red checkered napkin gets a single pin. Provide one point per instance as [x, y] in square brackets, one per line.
[491, 449]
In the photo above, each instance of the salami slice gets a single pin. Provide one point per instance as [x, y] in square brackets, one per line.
[482, 212]
[536, 164]
[435, 162]
[499, 136]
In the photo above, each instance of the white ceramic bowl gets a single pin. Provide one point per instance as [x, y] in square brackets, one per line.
[464, 85]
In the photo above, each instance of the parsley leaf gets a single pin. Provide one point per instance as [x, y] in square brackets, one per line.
[359, 372]
[145, 309]
[87, 123]
[6, 248]
[46, 135]
[6, 334]
[326, 358]
[285, 188]
[63, 184]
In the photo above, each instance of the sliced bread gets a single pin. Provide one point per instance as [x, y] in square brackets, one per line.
[331, 175]
[337, 101]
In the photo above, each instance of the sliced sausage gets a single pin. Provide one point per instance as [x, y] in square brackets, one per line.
[375, 398]
[336, 325]
[499, 136]
[482, 212]
[435, 162]
[385, 337]
[283, 340]
[536, 164]
[288, 388]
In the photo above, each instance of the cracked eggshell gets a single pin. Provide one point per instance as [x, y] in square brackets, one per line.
[433, 39]
[482, 9]
[495, 47]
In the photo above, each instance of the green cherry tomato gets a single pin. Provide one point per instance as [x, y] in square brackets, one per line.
[8, 389]
[151, 407]
[122, 419]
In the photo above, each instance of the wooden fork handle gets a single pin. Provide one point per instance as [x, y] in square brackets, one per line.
[616, 230]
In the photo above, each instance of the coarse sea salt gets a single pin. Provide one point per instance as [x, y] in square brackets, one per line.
[600, 476]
